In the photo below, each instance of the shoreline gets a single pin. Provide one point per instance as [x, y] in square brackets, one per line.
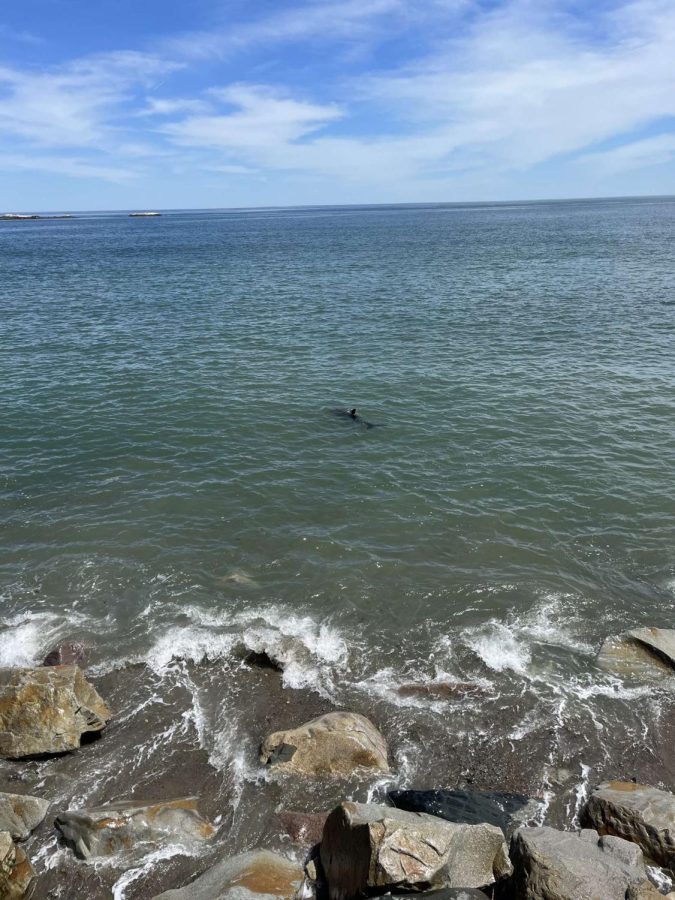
[164, 728]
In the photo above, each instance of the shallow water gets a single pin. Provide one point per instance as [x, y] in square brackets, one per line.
[176, 487]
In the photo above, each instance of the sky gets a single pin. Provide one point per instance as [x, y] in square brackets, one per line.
[144, 104]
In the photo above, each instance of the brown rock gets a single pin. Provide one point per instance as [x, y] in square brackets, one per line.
[303, 828]
[16, 872]
[71, 653]
[258, 873]
[335, 744]
[119, 827]
[47, 710]
[20, 814]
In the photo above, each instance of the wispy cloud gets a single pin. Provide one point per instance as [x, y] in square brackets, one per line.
[483, 90]
[652, 151]
[261, 118]
[73, 105]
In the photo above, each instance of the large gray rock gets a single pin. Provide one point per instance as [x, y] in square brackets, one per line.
[637, 813]
[369, 849]
[335, 744]
[643, 654]
[250, 876]
[20, 814]
[560, 865]
[47, 710]
[16, 872]
[121, 827]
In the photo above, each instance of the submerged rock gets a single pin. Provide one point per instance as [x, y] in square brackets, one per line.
[643, 653]
[498, 808]
[20, 814]
[441, 690]
[335, 744]
[303, 828]
[16, 872]
[561, 865]
[261, 659]
[47, 710]
[370, 849]
[248, 876]
[638, 813]
[67, 654]
[120, 827]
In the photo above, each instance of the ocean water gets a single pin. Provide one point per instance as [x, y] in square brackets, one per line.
[176, 489]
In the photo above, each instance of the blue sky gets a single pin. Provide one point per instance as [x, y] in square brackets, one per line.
[118, 104]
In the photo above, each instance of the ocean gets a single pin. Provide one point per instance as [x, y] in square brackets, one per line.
[177, 491]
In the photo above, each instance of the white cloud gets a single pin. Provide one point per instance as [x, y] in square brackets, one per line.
[72, 105]
[262, 118]
[71, 167]
[652, 151]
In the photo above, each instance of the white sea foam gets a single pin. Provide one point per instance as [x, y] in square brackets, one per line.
[499, 647]
[26, 639]
[307, 650]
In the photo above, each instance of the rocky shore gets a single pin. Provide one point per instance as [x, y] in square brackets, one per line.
[333, 827]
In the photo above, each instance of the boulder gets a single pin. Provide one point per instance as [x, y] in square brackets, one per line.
[20, 814]
[71, 653]
[120, 827]
[505, 810]
[561, 865]
[370, 849]
[16, 872]
[303, 828]
[638, 813]
[249, 876]
[47, 710]
[335, 744]
[644, 654]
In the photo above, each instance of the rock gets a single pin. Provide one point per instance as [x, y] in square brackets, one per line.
[47, 710]
[249, 876]
[645, 891]
[119, 827]
[370, 849]
[334, 744]
[561, 865]
[16, 872]
[262, 660]
[638, 813]
[303, 828]
[469, 807]
[20, 814]
[645, 654]
[71, 653]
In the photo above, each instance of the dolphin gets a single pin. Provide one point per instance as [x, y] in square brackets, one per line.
[353, 415]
